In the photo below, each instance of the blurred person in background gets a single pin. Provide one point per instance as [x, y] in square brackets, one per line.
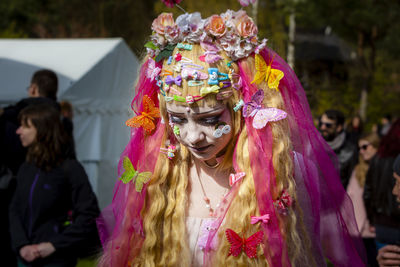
[53, 211]
[368, 146]
[385, 124]
[42, 90]
[331, 127]
[389, 255]
[381, 206]
[355, 129]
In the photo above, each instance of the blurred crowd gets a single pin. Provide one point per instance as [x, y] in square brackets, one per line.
[50, 208]
[48, 205]
[369, 166]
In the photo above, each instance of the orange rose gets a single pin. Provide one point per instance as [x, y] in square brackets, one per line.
[216, 26]
[161, 22]
[245, 26]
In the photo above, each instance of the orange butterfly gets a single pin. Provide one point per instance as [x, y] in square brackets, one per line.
[146, 118]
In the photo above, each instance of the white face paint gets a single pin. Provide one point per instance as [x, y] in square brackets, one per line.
[197, 127]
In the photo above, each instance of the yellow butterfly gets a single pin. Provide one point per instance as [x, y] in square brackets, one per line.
[130, 173]
[264, 72]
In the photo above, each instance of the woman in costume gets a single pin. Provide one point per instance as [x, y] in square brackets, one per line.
[224, 166]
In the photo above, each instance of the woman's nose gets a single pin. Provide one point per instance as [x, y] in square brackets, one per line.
[194, 134]
[18, 131]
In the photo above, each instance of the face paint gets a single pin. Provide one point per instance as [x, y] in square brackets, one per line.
[197, 127]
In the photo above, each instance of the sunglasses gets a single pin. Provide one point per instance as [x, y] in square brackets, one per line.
[364, 147]
[328, 125]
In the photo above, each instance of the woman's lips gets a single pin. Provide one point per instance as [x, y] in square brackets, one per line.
[200, 149]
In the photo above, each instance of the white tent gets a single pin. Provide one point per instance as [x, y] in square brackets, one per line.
[96, 76]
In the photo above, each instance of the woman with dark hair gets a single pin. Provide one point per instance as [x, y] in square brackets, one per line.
[380, 203]
[53, 211]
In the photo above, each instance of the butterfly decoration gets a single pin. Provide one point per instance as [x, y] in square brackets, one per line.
[165, 53]
[131, 174]
[283, 202]
[264, 72]
[152, 71]
[238, 243]
[261, 115]
[147, 117]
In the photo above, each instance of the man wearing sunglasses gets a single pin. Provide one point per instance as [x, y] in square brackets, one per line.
[331, 127]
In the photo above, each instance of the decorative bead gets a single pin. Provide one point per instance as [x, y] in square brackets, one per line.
[208, 206]
[206, 199]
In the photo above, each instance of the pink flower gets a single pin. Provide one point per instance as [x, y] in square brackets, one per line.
[245, 26]
[246, 2]
[172, 34]
[171, 3]
[215, 25]
[161, 22]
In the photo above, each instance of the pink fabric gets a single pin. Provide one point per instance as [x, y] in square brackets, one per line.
[356, 192]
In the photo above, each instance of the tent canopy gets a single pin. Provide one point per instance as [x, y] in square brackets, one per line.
[96, 76]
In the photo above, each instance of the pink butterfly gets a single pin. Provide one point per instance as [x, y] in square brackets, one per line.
[283, 202]
[261, 115]
[238, 243]
[152, 71]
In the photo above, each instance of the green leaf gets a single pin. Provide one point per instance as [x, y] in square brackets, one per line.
[151, 45]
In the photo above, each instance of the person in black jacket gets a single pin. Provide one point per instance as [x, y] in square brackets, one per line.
[53, 211]
[381, 206]
[331, 126]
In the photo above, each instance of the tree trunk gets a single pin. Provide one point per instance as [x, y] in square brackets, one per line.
[254, 11]
[292, 32]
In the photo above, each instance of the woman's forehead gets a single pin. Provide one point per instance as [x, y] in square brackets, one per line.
[205, 108]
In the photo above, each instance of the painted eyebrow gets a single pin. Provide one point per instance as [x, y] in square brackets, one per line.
[196, 114]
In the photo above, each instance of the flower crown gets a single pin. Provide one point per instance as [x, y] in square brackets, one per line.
[233, 32]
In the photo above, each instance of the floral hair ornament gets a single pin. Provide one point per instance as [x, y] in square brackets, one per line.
[238, 243]
[165, 53]
[130, 173]
[264, 72]
[233, 32]
[146, 118]
[169, 151]
[246, 2]
[283, 202]
[261, 115]
[219, 131]
[263, 219]
[235, 177]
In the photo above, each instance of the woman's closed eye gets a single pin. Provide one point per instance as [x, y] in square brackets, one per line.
[176, 119]
[210, 120]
